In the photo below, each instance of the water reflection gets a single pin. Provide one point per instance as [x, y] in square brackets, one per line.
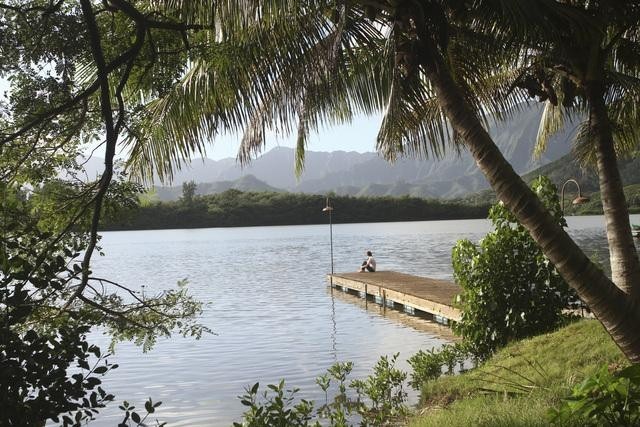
[335, 325]
[418, 322]
[267, 300]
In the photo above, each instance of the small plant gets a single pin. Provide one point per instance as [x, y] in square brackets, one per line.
[509, 381]
[427, 365]
[380, 400]
[324, 382]
[275, 409]
[430, 365]
[384, 389]
[131, 416]
[604, 399]
[340, 371]
[452, 356]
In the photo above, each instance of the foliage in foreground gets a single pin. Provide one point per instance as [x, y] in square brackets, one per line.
[72, 67]
[510, 289]
[48, 369]
[604, 399]
[379, 400]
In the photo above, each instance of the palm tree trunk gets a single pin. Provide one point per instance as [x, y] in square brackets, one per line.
[619, 313]
[625, 268]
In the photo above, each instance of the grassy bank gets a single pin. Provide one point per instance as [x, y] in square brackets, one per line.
[548, 365]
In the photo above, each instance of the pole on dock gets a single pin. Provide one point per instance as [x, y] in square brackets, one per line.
[329, 208]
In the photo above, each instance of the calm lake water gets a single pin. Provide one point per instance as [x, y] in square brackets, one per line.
[271, 310]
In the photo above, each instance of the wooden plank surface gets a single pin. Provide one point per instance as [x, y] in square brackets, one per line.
[429, 295]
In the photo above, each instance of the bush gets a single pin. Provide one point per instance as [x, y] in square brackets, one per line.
[510, 290]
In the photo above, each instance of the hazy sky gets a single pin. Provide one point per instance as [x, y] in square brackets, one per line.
[358, 136]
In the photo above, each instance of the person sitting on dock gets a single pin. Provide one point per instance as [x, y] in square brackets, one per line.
[368, 264]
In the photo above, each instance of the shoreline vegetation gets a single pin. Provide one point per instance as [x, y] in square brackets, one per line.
[234, 208]
[529, 382]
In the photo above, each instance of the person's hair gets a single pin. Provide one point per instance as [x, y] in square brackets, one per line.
[369, 253]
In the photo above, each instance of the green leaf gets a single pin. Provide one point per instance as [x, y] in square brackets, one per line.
[100, 370]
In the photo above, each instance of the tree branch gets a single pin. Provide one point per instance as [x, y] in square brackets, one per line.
[114, 313]
[111, 140]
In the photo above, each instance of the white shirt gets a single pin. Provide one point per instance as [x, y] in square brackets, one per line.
[371, 262]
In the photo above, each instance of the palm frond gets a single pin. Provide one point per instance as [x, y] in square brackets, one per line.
[413, 124]
[291, 65]
[583, 147]
[551, 122]
[301, 140]
[223, 92]
[518, 22]
[202, 12]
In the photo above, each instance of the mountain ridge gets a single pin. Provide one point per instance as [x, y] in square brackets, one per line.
[455, 175]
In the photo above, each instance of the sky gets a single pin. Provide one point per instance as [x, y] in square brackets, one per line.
[359, 135]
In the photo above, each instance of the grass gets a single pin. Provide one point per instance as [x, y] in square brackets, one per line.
[518, 385]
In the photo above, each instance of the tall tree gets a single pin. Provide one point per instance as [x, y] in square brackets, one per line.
[78, 70]
[433, 67]
[188, 192]
[596, 75]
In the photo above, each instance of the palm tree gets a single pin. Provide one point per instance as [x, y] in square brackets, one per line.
[617, 311]
[597, 76]
[432, 67]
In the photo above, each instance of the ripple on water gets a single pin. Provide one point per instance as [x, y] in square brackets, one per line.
[268, 303]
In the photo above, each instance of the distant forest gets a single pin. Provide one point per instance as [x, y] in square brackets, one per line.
[234, 208]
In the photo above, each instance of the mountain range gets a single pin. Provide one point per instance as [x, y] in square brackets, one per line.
[367, 174]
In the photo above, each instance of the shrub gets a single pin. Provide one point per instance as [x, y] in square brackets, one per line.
[380, 399]
[277, 409]
[510, 290]
[430, 365]
[384, 391]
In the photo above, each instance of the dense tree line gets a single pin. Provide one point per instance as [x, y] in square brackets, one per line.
[234, 208]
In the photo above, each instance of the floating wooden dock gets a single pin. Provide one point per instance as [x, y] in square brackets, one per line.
[431, 296]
